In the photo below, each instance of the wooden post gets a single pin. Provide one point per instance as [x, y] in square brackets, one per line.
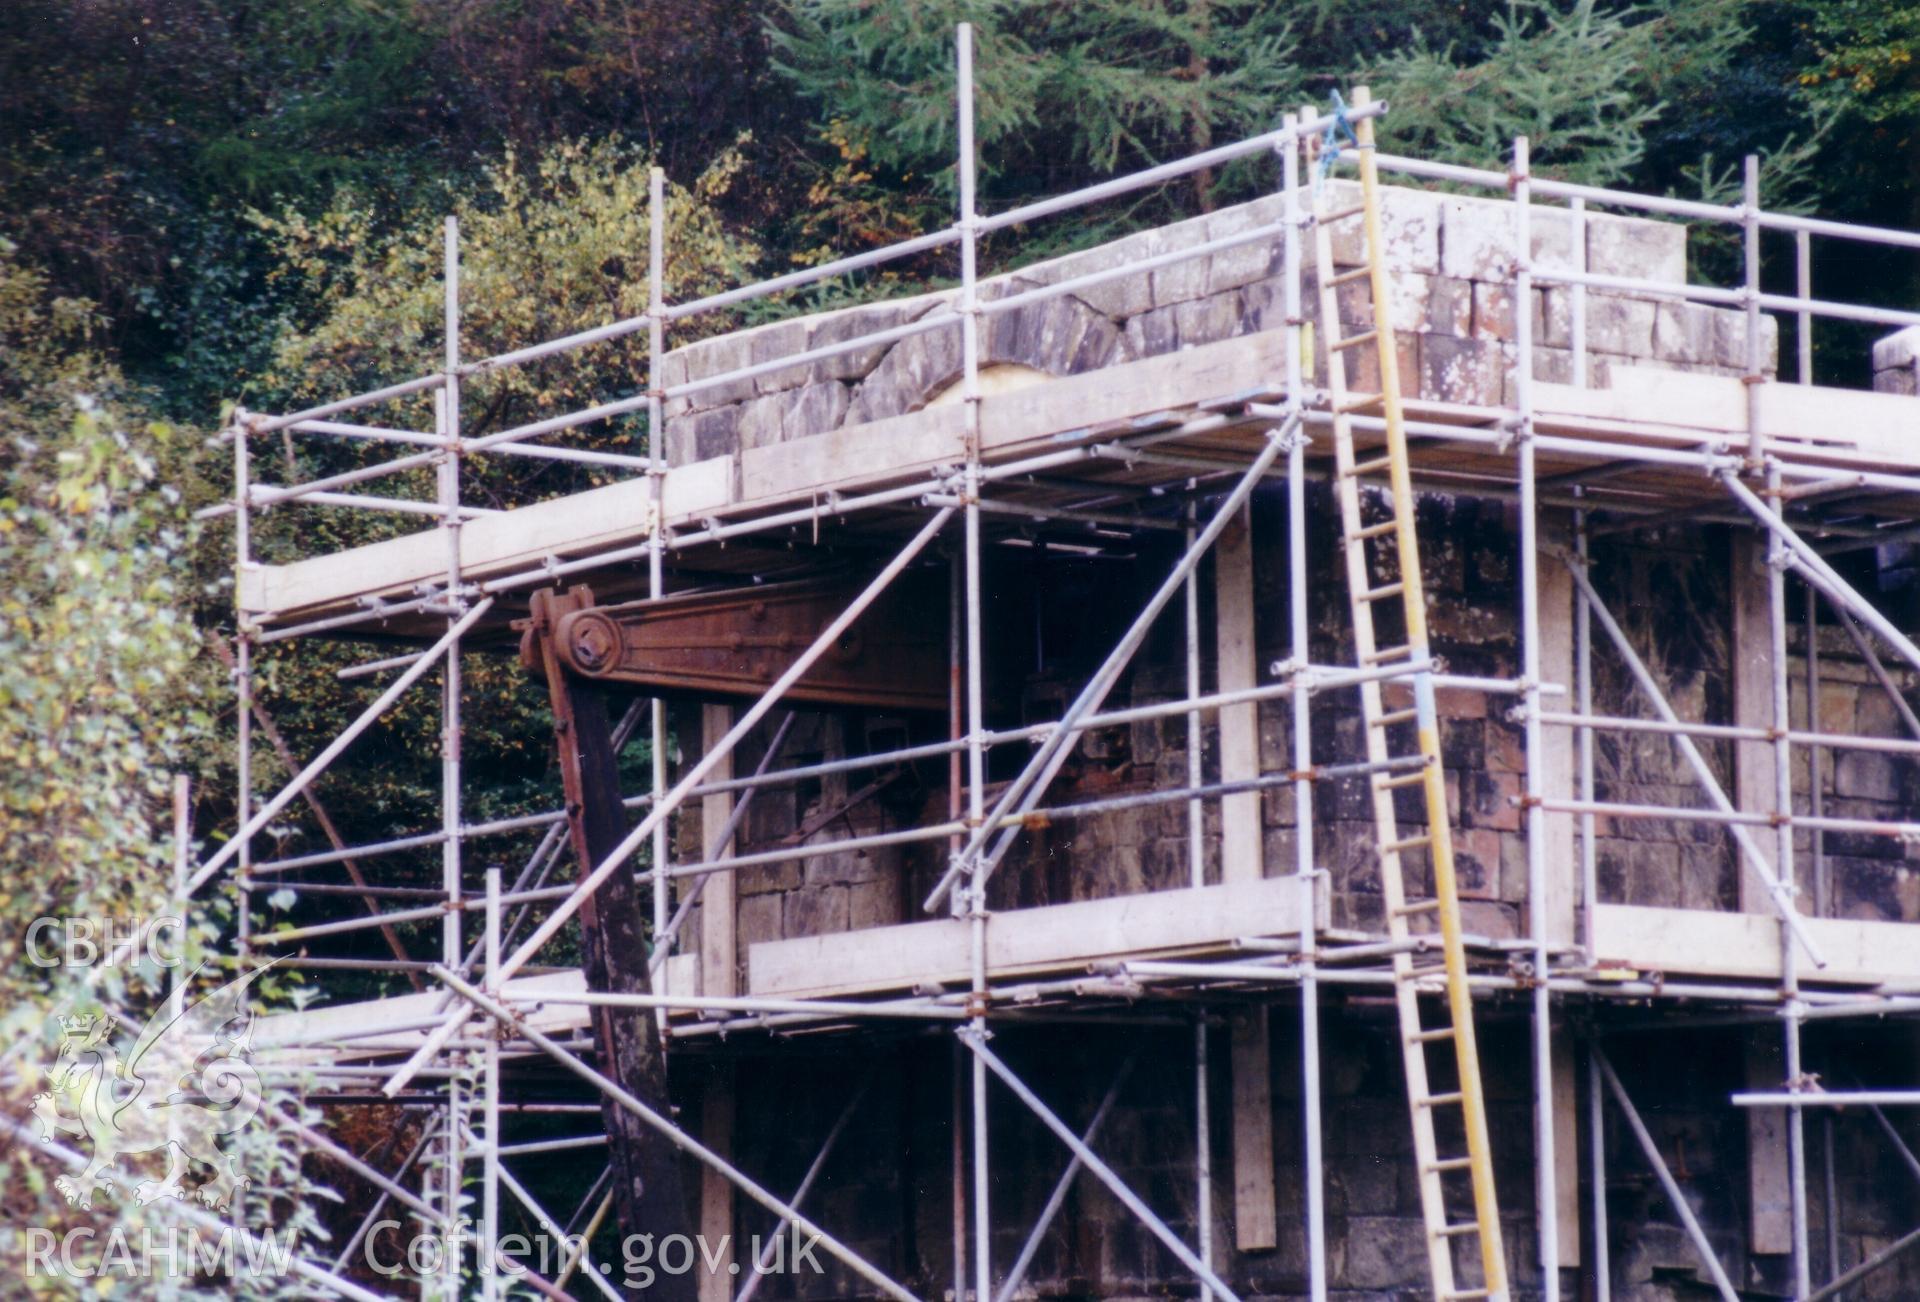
[719, 958]
[717, 1282]
[1559, 781]
[1240, 848]
[1255, 1217]
[1750, 641]
[719, 971]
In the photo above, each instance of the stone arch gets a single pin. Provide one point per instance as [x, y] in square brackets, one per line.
[1056, 336]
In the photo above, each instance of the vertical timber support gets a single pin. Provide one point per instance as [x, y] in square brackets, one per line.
[1240, 849]
[1255, 1210]
[1770, 1203]
[718, 976]
[1559, 853]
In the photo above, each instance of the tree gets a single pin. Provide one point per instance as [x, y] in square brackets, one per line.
[1586, 83]
[1063, 90]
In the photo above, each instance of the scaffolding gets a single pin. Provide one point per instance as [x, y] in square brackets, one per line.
[487, 1006]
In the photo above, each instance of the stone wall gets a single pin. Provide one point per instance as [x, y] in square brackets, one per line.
[1452, 263]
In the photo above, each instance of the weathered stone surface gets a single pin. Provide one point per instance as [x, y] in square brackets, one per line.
[1684, 333]
[1901, 349]
[815, 409]
[1902, 381]
[1410, 224]
[758, 421]
[855, 323]
[1865, 775]
[1620, 325]
[1478, 239]
[814, 912]
[1383, 1251]
[1461, 370]
[912, 371]
[1118, 298]
[1060, 335]
[777, 342]
[758, 920]
[1730, 341]
[1637, 247]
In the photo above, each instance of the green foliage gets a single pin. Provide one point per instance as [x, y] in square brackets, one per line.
[1864, 52]
[101, 702]
[94, 638]
[1063, 91]
[1583, 82]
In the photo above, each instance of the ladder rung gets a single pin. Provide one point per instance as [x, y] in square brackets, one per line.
[1372, 467]
[1360, 404]
[1446, 1164]
[1341, 214]
[1403, 780]
[1466, 1295]
[1456, 1231]
[1348, 277]
[1380, 655]
[1440, 1100]
[1384, 591]
[1392, 717]
[1405, 843]
[1364, 337]
[1379, 530]
[1432, 1035]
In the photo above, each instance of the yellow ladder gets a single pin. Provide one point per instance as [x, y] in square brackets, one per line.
[1391, 545]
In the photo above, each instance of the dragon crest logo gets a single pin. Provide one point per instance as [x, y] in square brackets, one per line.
[185, 1082]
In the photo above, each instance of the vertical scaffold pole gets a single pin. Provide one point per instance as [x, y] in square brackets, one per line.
[243, 708]
[1300, 649]
[1597, 1148]
[1197, 876]
[448, 472]
[1577, 315]
[490, 1180]
[657, 507]
[1589, 901]
[976, 902]
[1777, 560]
[1803, 288]
[448, 475]
[1546, 1199]
[1750, 295]
[1816, 837]
[1583, 671]
[242, 678]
